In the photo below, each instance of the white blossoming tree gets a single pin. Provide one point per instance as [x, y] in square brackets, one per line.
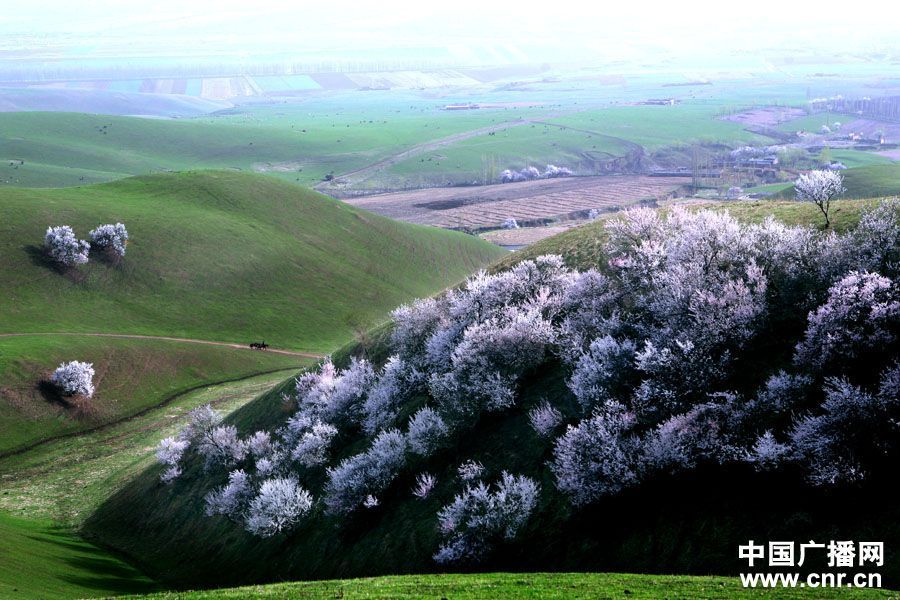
[64, 248]
[820, 188]
[74, 378]
[110, 237]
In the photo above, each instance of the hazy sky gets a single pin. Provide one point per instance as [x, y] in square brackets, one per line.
[516, 29]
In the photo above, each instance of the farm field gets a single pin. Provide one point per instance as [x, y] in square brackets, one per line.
[858, 158]
[524, 236]
[813, 123]
[765, 117]
[480, 159]
[488, 206]
[654, 127]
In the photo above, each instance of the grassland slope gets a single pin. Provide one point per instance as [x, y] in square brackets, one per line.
[221, 256]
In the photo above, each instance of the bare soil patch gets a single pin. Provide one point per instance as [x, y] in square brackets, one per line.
[488, 206]
[766, 117]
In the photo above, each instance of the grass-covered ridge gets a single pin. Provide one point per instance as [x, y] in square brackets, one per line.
[221, 256]
[690, 521]
[582, 247]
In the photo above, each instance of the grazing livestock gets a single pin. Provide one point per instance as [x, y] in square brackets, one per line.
[259, 345]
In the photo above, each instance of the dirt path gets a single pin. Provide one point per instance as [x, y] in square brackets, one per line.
[350, 178]
[170, 339]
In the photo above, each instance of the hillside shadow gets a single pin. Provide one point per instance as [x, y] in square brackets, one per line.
[93, 568]
[39, 258]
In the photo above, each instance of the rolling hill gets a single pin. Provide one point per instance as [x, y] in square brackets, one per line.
[300, 142]
[221, 256]
[682, 523]
[215, 260]
[213, 257]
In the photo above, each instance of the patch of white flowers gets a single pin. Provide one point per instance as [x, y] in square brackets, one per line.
[481, 516]
[74, 378]
[110, 236]
[64, 248]
[544, 419]
[425, 483]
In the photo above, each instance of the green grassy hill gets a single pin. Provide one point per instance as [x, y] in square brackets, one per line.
[221, 256]
[301, 142]
[872, 181]
[49, 490]
[692, 530]
[226, 257]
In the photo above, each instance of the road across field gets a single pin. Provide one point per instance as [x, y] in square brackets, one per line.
[349, 179]
[169, 339]
[482, 207]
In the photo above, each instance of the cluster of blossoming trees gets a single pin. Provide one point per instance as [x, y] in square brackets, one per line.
[700, 340]
[64, 248]
[530, 173]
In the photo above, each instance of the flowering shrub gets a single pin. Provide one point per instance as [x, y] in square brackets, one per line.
[280, 503]
[470, 471]
[861, 315]
[479, 517]
[112, 237]
[169, 452]
[312, 446]
[853, 431]
[820, 188]
[544, 419]
[336, 395]
[221, 446]
[230, 500]
[597, 457]
[63, 247]
[367, 474]
[427, 431]
[425, 483]
[74, 378]
[396, 383]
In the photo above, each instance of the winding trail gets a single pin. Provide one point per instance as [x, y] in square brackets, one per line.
[167, 338]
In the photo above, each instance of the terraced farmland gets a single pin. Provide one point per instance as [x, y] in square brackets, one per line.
[486, 207]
